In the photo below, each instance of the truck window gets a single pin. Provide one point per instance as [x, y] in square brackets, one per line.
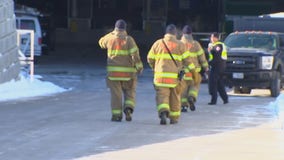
[27, 24]
[17, 24]
[281, 40]
[238, 41]
[263, 41]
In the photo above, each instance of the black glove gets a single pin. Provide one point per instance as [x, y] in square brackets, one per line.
[181, 75]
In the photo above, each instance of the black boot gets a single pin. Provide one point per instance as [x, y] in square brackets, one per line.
[184, 108]
[128, 113]
[211, 103]
[115, 118]
[173, 121]
[163, 117]
[191, 103]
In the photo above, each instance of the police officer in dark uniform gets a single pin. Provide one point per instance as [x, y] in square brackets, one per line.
[217, 61]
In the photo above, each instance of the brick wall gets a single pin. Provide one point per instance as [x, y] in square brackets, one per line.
[9, 62]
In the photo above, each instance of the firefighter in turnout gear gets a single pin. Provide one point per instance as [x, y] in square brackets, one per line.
[217, 62]
[123, 65]
[168, 59]
[192, 80]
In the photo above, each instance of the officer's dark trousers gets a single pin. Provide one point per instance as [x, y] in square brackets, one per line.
[216, 84]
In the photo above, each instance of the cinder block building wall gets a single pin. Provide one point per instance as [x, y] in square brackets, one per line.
[9, 62]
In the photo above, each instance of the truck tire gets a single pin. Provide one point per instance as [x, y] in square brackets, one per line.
[275, 85]
[242, 90]
[246, 90]
[237, 90]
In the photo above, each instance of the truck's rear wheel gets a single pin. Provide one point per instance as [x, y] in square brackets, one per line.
[243, 90]
[237, 90]
[275, 85]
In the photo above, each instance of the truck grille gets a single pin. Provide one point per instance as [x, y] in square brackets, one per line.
[242, 63]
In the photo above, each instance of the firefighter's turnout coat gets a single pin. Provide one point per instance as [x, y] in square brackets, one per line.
[123, 55]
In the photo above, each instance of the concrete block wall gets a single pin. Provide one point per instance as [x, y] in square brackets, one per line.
[9, 61]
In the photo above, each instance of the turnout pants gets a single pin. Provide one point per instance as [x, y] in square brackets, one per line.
[191, 88]
[168, 99]
[186, 85]
[122, 95]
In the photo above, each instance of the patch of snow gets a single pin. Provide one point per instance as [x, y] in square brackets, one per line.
[25, 88]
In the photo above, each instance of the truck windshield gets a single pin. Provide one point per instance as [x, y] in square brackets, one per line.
[263, 41]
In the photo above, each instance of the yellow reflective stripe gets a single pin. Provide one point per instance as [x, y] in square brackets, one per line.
[163, 106]
[118, 52]
[187, 78]
[224, 51]
[200, 52]
[151, 66]
[210, 57]
[166, 56]
[224, 55]
[217, 43]
[193, 54]
[122, 52]
[165, 85]
[177, 57]
[197, 69]
[139, 65]
[165, 75]
[133, 50]
[184, 100]
[119, 78]
[120, 69]
[191, 66]
[174, 114]
[186, 54]
[116, 111]
[151, 55]
[204, 64]
[193, 93]
[129, 102]
[186, 70]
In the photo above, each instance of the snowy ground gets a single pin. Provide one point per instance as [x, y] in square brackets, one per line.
[262, 143]
[28, 88]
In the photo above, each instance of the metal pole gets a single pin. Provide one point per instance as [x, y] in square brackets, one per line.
[32, 56]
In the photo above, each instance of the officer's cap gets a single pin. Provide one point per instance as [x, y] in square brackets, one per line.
[215, 34]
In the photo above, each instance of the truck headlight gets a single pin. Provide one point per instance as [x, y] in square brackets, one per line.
[266, 62]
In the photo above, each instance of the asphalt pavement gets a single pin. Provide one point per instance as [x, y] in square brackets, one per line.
[76, 124]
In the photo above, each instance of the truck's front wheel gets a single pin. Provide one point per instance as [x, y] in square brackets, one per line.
[275, 85]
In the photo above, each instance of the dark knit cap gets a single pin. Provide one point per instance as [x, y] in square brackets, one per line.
[186, 29]
[171, 29]
[215, 34]
[120, 24]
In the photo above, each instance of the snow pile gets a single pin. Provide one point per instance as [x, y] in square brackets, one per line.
[25, 87]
